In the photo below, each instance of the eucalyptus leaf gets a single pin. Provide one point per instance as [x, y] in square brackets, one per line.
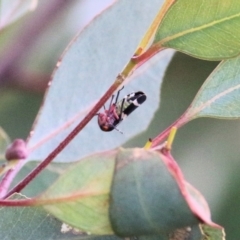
[80, 197]
[133, 192]
[145, 196]
[219, 95]
[23, 223]
[35, 223]
[201, 28]
[11, 10]
[88, 67]
[42, 181]
[30, 223]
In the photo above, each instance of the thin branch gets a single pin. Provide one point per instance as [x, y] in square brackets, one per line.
[5, 183]
[68, 139]
[162, 136]
[141, 59]
[8, 178]
[18, 202]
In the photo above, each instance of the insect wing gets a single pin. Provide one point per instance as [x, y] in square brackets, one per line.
[134, 100]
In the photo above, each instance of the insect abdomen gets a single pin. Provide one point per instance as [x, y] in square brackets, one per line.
[130, 103]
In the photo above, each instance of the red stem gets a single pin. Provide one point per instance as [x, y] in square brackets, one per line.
[18, 203]
[149, 53]
[64, 143]
[8, 178]
[178, 123]
[5, 183]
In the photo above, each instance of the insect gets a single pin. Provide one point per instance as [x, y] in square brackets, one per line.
[117, 111]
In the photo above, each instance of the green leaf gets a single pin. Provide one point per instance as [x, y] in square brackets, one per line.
[43, 226]
[211, 233]
[202, 28]
[88, 67]
[219, 95]
[80, 197]
[17, 111]
[23, 223]
[145, 196]
[4, 142]
[42, 181]
[29, 223]
[149, 196]
[11, 10]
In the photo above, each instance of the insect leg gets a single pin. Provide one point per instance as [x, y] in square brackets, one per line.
[118, 94]
[111, 102]
[117, 129]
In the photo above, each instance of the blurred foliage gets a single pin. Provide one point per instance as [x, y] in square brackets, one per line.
[18, 110]
[206, 149]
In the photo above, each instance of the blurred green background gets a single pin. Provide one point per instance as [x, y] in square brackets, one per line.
[207, 150]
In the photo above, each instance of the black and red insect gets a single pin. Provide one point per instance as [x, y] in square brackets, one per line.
[110, 118]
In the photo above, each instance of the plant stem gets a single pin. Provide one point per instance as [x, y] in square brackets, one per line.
[153, 50]
[8, 178]
[178, 123]
[5, 183]
[67, 140]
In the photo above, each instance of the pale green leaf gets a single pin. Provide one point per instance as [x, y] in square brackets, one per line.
[88, 67]
[80, 197]
[23, 223]
[202, 28]
[219, 95]
[42, 181]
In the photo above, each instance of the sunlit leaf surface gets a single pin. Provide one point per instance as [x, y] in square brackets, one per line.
[202, 28]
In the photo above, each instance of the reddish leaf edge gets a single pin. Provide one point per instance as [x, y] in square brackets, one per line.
[193, 197]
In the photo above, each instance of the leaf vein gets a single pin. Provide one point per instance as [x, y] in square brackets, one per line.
[192, 30]
[195, 111]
